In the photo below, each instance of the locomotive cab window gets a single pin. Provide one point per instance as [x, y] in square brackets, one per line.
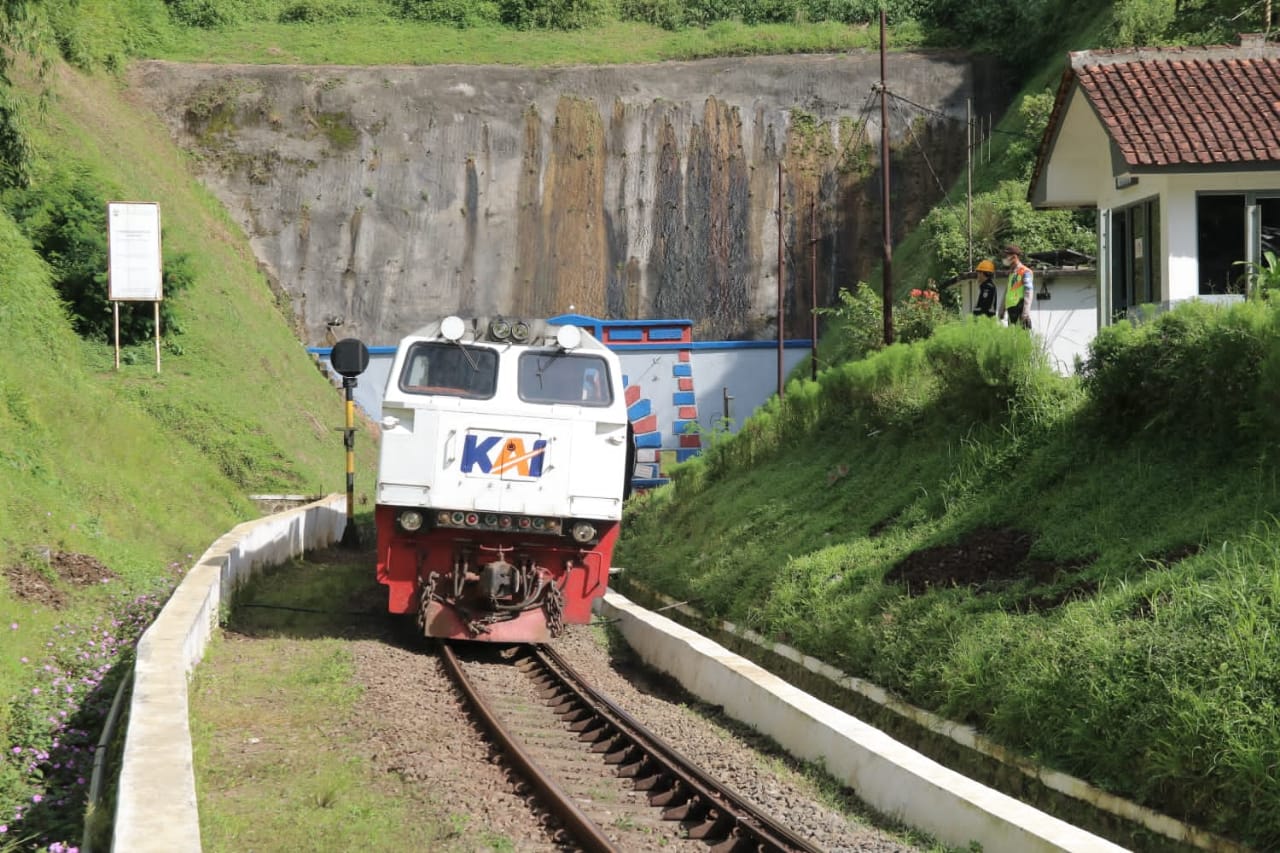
[555, 377]
[450, 369]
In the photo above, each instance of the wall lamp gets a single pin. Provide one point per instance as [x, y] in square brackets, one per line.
[1125, 180]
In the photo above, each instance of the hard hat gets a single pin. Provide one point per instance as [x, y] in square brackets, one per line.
[986, 266]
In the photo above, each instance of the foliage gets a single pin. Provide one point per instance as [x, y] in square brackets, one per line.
[64, 216]
[858, 321]
[703, 13]
[1022, 33]
[49, 756]
[1191, 372]
[459, 13]
[553, 14]
[918, 315]
[1262, 278]
[1004, 216]
[205, 13]
[1033, 113]
[318, 11]
[1142, 22]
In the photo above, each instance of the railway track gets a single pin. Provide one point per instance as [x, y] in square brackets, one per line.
[609, 783]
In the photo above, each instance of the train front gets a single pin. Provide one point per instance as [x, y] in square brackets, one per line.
[501, 477]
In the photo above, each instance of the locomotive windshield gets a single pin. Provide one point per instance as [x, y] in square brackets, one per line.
[551, 376]
[450, 369]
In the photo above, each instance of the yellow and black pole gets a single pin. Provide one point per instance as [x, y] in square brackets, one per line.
[349, 358]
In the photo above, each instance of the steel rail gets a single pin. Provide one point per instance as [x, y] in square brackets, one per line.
[723, 819]
[583, 829]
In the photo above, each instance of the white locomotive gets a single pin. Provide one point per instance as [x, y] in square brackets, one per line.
[506, 456]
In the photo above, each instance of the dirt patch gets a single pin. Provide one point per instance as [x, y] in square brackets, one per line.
[989, 559]
[41, 578]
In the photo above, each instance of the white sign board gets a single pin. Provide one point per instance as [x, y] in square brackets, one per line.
[133, 251]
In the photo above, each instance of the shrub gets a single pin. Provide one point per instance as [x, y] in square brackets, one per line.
[317, 11]
[553, 14]
[1191, 371]
[204, 14]
[460, 13]
[859, 322]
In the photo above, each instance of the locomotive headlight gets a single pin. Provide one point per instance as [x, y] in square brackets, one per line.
[569, 337]
[520, 331]
[499, 330]
[411, 520]
[583, 532]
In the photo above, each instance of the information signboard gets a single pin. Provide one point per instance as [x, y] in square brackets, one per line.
[133, 251]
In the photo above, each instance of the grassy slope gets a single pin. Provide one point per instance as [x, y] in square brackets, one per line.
[1151, 680]
[139, 469]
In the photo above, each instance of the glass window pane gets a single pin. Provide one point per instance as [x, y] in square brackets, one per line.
[451, 370]
[552, 376]
[1220, 233]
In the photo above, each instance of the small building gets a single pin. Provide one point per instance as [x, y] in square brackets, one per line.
[1178, 150]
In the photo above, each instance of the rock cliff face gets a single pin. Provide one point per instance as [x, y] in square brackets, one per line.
[378, 198]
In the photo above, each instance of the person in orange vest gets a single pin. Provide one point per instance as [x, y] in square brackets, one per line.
[1021, 288]
[986, 304]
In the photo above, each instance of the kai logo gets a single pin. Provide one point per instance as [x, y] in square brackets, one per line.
[497, 454]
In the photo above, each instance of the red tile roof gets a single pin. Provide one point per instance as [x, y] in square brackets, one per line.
[1179, 106]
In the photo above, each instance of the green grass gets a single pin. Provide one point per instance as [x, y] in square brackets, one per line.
[141, 469]
[273, 707]
[372, 43]
[1152, 672]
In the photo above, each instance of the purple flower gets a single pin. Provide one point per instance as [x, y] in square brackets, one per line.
[4, 827]
[35, 798]
[13, 626]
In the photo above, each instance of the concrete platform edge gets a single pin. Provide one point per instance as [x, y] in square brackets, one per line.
[886, 774]
[156, 808]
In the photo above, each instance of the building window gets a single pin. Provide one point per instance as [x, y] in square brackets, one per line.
[1231, 228]
[1135, 256]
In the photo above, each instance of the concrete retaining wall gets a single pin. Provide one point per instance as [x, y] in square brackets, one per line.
[886, 774]
[156, 807]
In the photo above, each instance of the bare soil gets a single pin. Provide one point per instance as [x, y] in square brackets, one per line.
[992, 559]
[45, 581]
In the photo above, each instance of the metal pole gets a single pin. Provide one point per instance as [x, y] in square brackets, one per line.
[968, 158]
[351, 534]
[813, 285]
[887, 278]
[780, 287]
[115, 327]
[157, 307]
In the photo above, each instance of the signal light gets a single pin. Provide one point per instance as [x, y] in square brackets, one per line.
[443, 517]
[458, 517]
[523, 523]
[505, 521]
[472, 519]
[539, 523]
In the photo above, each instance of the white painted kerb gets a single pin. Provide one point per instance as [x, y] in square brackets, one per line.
[156, 806]
[886, 774]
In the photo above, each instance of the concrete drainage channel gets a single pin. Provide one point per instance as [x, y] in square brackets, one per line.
[156, 803]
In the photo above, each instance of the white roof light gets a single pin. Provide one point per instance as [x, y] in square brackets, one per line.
[451, 328]
[568, 337]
